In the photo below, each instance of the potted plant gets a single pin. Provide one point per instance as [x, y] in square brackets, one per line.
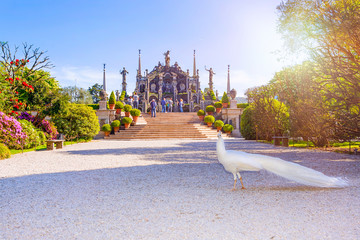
[106, 128]
[126, 121]
[218, 124]
[210, 110]
[127, 109]
[118, 106]
[116, 125]
[228, 128]
[112, 101]
[201, 114]
[209, 119]
[225, 100]
[218, 106]
[135, 113]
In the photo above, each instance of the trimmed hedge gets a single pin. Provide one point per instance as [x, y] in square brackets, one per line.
[210, 108]
[225, 98]
[228, 128]
[106, 128]
[242, 105]
[209, 118]
[94, 106]
[115, 123]
[218, 105]
[127, 108]
[112, 99]
[201, 113]
[135, 112]
[119, 105]
[219, 123]
[126, 120]
[247, 126]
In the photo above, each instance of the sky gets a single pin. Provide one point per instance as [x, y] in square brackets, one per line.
[81, 35]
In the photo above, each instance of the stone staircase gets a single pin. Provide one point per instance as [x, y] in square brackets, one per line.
[167, 126]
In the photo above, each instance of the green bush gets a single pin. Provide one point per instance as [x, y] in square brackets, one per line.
[77, 121]
[225, 98]
[42, 137]
[209, 118]
[127, 108]
[4, 151]
[94, 106]
[201, 113]
[126, 120]
[119, 105]
[122, 96]
[218, 105]
[115, 123]
[212, 95]
[219, 123]
[112, 98]
[135, 112]
[32, 138]
[106, 128]
[210, 108]
[247, 126]
[242, 105]
[228, 128]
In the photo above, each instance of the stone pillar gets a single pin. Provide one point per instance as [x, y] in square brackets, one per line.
[202, 105]
[191, 106]
[233, 103]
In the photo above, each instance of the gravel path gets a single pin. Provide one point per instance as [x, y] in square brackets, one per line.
[171, 189]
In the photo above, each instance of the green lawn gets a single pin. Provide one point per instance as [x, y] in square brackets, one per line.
[43, 147]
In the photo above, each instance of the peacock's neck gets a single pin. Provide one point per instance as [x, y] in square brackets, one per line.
[220, 148]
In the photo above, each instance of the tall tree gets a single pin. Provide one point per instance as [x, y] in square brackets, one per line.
[329, 31]
[94, 90]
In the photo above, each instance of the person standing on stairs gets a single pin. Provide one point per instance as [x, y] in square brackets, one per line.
[153, 108]
[163, 105]
[181, 105]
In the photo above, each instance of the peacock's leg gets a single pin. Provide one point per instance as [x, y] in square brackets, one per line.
[242, 185]
[234, 188]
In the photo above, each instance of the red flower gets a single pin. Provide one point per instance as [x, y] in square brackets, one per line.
[27, 60]
[10, 79]
[20, 103]
[16, 113]
[16, 92]
[17, 60]
[17, 79]
[11, 62]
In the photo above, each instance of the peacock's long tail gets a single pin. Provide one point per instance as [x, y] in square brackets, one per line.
[298, 173]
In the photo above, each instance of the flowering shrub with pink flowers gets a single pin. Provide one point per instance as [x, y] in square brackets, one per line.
[11, 133]
[44, 125]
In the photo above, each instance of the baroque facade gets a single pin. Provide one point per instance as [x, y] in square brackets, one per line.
[169, 81]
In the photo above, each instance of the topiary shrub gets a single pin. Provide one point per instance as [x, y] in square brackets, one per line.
[218, 123]
[112, 98]
[225, 98]
[122, 96]
[11, 132]
[212, 95]
[78, 121]
[209, 119]
[135, 112]
[201, 113]
[247, 126]
[127, 108]
[115, 123]
[32, 138]
[42, 137]
[126, 120]
[119, 105]
[218, 105]
[210, 108]
[4, 151]
[106, 128]
[228, 128]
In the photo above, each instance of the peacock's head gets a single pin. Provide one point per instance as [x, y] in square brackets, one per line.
[219, 135]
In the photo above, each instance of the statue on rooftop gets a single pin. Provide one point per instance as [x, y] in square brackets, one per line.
[167, 58]
[211, 74]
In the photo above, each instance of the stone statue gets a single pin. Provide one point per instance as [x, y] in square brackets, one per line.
[211, 74]
[167, 58]
[117, 93]
[123, 73]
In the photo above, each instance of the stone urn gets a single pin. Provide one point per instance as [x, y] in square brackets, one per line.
[233, 93]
